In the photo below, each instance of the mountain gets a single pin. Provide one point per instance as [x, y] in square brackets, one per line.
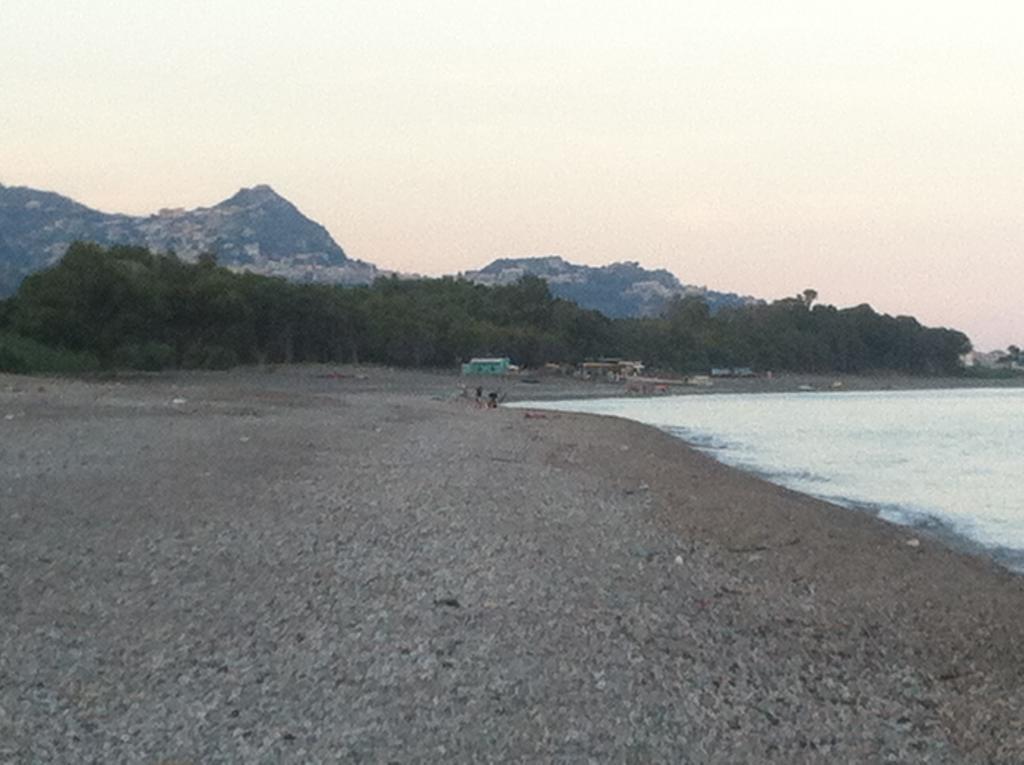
[259, 230]
[256, 230]
[616, 290]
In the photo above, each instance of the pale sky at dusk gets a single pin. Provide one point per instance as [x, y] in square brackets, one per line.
[871, 150]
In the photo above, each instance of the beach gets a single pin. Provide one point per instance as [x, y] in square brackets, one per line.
[320, 564]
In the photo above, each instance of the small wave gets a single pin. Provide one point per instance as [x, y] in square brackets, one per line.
[958, 534]
[797, 476]
[702, 441]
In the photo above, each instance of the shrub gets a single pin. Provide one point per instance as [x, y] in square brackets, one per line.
[218, 357]
[209, 357]
[149, 357]
[21, 355]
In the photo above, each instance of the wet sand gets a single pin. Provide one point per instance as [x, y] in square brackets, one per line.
[323, 564]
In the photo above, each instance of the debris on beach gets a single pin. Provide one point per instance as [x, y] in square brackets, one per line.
[913, 542]
[179, 401]
[448, 602]
[645, 553]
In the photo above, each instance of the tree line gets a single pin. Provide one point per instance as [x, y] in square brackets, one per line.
[125, 307]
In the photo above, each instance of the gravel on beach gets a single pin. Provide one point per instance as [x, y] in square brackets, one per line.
[357, 564]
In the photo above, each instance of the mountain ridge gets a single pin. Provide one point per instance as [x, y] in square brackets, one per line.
[259, 230]
[255, 229]
[620, 289]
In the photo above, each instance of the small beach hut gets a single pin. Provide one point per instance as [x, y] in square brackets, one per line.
[487, 366]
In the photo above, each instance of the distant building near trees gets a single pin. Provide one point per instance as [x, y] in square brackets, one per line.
[732, 372]
[487, 366]
[991, 360]
[610, 369]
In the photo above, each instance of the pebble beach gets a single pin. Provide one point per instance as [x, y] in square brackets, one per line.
[354, 564]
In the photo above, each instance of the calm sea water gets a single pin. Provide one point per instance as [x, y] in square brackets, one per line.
[952, 460]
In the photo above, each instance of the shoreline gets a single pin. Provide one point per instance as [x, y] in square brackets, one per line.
[357, 562]
[899, 515]
[932, 526]
[924, 588]
[555, 387]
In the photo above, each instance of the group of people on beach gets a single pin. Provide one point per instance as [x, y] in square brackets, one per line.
[491, 401]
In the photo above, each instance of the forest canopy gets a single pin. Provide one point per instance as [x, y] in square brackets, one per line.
[125, 307]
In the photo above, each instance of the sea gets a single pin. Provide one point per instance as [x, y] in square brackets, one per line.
[947, 461]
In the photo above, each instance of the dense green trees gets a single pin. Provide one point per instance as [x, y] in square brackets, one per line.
[126, 307]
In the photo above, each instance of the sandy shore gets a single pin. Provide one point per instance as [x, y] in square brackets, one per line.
[315, 565]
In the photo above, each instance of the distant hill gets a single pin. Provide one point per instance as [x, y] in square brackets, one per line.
[259, 230]
[256, 230]
[617, 290]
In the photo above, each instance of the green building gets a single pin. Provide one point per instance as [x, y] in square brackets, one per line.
[488, 366]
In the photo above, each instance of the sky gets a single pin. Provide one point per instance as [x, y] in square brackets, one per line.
[873, 151]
